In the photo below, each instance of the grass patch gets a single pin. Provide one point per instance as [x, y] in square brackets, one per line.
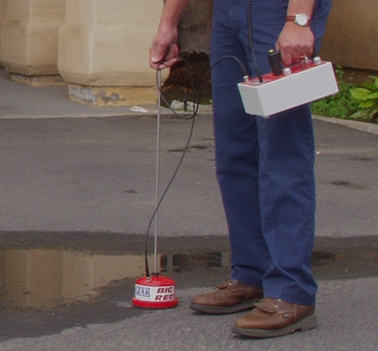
[352, 102]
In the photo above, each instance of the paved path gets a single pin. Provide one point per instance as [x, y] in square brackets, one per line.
[62, 173]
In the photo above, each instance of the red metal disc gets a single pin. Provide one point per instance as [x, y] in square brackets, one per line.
[155, 292]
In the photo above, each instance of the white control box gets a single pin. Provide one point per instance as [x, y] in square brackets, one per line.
[303, 83]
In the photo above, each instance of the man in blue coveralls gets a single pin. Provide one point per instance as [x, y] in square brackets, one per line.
[265, 166]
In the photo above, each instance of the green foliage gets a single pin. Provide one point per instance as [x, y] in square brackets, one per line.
[341, 105]
[352, 102]
[367, 98]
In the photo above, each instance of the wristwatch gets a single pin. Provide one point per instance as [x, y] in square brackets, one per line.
[300, 19]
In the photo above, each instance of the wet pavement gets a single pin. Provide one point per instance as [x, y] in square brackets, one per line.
[78, 190]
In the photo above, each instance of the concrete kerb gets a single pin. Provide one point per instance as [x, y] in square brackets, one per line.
[362, 126]
[166, 113]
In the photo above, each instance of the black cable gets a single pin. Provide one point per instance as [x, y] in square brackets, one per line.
[250, 38]
[196, 103]
[186, 148]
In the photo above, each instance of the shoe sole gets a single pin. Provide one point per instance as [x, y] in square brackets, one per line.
[247, 305]
[303, 324]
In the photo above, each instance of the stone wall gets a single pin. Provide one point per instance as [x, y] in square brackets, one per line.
[29, 41]
[351, 37]
[105, 43]
[195, 27]
[3, 7]
[103, 51]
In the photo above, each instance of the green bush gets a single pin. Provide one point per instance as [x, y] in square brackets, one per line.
[341, 105]
[367, 98]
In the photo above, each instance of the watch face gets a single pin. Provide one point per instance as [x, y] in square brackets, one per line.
[302, 20]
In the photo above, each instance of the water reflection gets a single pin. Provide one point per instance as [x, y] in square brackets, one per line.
[47, 278]
[182, 262]
[42, 279]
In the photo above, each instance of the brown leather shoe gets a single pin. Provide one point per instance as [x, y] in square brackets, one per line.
[229, 297]
[274, 317]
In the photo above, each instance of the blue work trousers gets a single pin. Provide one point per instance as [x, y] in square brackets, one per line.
[265, 167]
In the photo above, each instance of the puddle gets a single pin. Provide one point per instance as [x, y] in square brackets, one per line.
[41, 278]
[180, 262]
[44, 279]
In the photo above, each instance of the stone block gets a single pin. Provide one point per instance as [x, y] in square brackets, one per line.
[3, 7]
[195, 27]
[112, 95]
[29, 43]
[106, 43]
[351, 37]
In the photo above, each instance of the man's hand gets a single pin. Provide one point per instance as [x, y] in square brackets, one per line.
[164, 50]
[295, 43]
